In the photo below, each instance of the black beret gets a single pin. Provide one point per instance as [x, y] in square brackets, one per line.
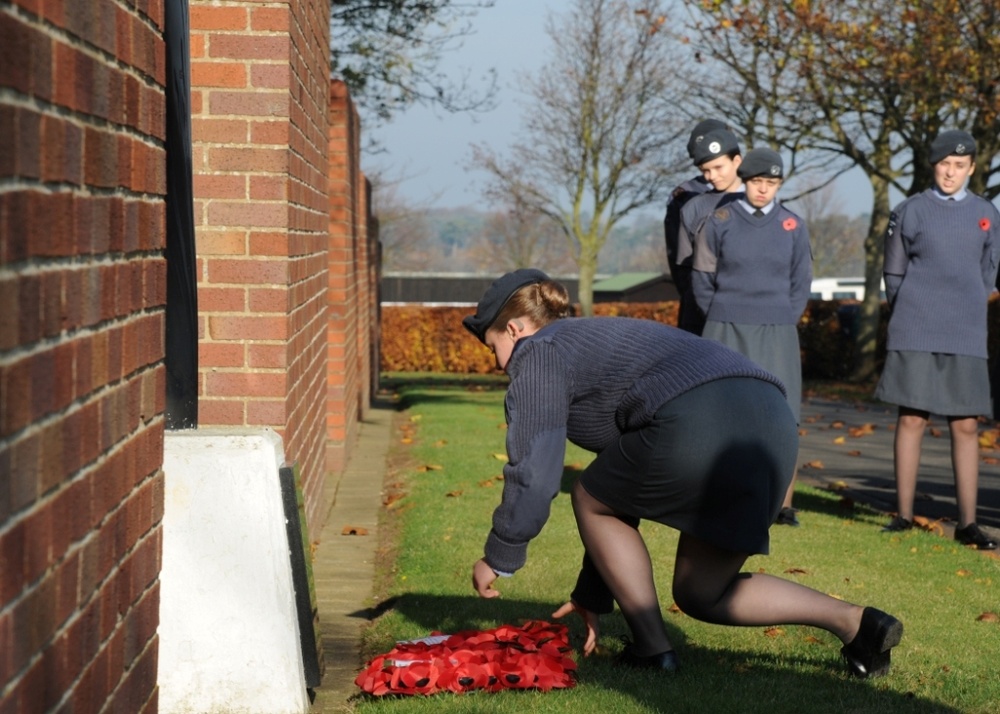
[761, 162]
[716, 143]
[699, 131]
[500, 291]
[952, 143]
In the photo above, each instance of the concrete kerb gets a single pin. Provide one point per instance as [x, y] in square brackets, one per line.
[344, 561]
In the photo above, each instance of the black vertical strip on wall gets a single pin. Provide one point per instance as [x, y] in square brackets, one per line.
[182, 296]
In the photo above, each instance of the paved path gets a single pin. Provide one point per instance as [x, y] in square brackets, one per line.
[345, 564]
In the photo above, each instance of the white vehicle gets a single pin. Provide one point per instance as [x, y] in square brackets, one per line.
[840, 289]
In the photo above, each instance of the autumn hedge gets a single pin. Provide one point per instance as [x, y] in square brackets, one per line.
[431, 339]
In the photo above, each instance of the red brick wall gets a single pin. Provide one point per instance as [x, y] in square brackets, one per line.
[82, 285]
[278, 278]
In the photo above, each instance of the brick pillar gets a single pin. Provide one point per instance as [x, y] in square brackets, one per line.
[346, 235]
[260, 113]
[82, 285]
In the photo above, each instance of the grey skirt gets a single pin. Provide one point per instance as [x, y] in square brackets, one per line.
[947, 385]
[714, 462]
[773, 347]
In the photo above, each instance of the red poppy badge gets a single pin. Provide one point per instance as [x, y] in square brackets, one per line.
[789, 224]
[984, 223]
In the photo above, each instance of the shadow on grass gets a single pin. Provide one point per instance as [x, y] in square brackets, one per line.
[711, 679]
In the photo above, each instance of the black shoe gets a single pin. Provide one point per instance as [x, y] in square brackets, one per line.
[787, 517]
[898, 524]
[972, 535]
[869, 653]
[665, 661]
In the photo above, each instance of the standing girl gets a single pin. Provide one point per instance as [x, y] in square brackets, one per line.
[940, 267]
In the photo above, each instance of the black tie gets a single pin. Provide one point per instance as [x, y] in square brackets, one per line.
[758, 212]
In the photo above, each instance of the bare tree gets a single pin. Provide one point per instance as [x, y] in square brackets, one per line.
[520, 237]
[600, 138]
[837, 241]
[389, 54]
[404, 232]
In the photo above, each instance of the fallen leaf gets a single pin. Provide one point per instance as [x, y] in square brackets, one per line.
[500, 457]
[935, 432]
[674, 609]
[837, 425]
[813, 465]
[441, 442]
[812, 419]
[988, 439]
[774, 632]
[430, 467]
[963, 573]
[988, 617]
[891, 427]
[796, 571]
[854, 452]
[803, 432]
[838, 486]
[354, 530]
[406, 440]
[839, 440]
[391, 498]
[416, 417]
[991, 460]
[488, 483]
[863, 430]
[453, 494]
[812, 639]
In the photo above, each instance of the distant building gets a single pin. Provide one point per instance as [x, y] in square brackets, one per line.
[635, 287]
[446, 289]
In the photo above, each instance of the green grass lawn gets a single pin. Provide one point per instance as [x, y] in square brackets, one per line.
[443, 489]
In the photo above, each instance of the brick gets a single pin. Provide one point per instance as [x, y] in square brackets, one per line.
[259, 214]
[252, 384]
[248, 328]
[247, 272]
[220, 412]
[269, 244]
[254, 160]
[268, 188]
[265, 19]
[250, 103]
[218, 18]
[251, 47]
[221, 355]
[225, 131]
[268, 76]
[267, 356]
[220, 186]
[269, 300]
[269, 132]
[219, 74]
[267, 412]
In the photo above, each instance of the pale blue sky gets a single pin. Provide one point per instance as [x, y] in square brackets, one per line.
[429, 149]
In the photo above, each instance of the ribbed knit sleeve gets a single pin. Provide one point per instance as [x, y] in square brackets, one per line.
[940, 267]
[537, 410]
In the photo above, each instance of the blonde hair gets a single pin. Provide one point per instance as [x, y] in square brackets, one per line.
[541, 303]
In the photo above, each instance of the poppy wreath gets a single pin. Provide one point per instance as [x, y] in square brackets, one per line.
[532, 656]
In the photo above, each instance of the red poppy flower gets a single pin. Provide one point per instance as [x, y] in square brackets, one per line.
[984, 223]
[529, 657]
[789, 224]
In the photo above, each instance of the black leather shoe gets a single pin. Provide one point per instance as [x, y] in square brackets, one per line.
[869, 653]
[898, 524]
[973, 535]
[787, 517]
[665, 661]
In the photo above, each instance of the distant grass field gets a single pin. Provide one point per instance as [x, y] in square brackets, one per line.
[444, 484]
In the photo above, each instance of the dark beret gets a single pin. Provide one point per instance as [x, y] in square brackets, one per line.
[761, 162]
[952, 143]
[699, 131]
[497, 295]
[716, 143]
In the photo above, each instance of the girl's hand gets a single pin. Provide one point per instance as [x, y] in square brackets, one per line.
[482, 579]
[591, 620]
